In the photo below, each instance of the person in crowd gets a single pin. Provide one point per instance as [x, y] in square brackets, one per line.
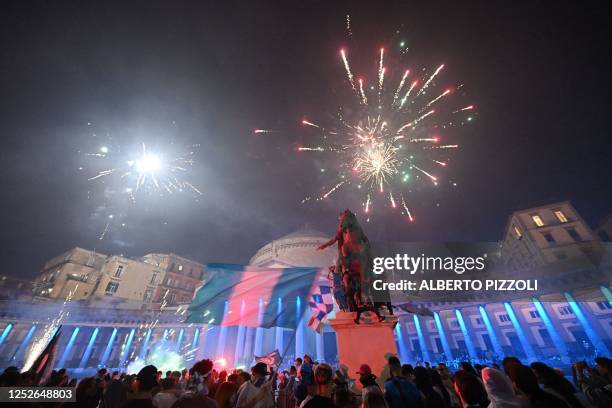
[595, 387]
[289, 386]
[526, 382]
[243, 377]
[146, 385]
[399, 392]
[367, 380]
[322, 398]
[467, 366]
[226, 394]
[470, 390]
[431, 399]
[556, 384]
[256, 393]
[407, 371]
[499, 390]
[375, 400]
[168, 373]
[166, 396]
[86, 393]
[304, 380]
[197, 389]
[115, 394]
[438, 386]
[604, 368]
[343, 398]
[508, 362]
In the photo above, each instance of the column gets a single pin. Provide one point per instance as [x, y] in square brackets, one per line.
[422, 342]
[24, 344]
[552, 330]
[320, 346]
[5, 333]
[202, 342]
[66, 353]
[109, 348]
[259, 332]
[491, 330]
[447, 350]
[145, 345]
[401, 335]
[90, 344]
[520, 333]
[278, 341]
[299, 335]
[466, 334]
[247, 355]
[126, 348]
[594, 338]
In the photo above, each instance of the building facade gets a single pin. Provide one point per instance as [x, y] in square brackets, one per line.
[569, 319]
[181, 276]
[543, 235]
[73, 274]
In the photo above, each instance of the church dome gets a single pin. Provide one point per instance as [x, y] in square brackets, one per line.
[298, 248]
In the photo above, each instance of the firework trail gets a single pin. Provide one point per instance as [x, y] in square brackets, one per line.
[348, 70]
[48, 332]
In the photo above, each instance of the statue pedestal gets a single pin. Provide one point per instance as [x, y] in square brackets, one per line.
[370, 342]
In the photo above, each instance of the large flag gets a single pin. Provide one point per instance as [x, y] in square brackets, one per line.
[254, 297]
[321, 304]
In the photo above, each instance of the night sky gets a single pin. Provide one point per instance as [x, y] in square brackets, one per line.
[209, 73]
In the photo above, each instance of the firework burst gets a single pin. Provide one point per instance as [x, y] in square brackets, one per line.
[130, 179]
[386, 139]
[145, 171]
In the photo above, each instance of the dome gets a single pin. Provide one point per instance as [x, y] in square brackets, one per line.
[298, 248]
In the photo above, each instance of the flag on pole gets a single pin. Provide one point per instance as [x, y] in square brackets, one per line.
[272, 359]
[321, 304]
[250, 296]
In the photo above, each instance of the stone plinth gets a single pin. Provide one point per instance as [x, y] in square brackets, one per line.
[369, 342]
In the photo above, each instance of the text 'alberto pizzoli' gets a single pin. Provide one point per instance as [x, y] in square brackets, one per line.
[457, 285]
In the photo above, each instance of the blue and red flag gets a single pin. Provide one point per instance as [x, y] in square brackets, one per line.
[253, 297]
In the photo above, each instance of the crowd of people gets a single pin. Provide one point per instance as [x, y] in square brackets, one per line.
[308, 384]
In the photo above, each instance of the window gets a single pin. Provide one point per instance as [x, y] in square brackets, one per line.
[119, 271]
[560, 216]
[153, 277]
[604, 305]
[517, 232]
[147, 295]
[548, 237]
[171, 298]
[534, 314]
[574, 234]
[565, 310]
[504, 318]
[111, 288]
[537, 220]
